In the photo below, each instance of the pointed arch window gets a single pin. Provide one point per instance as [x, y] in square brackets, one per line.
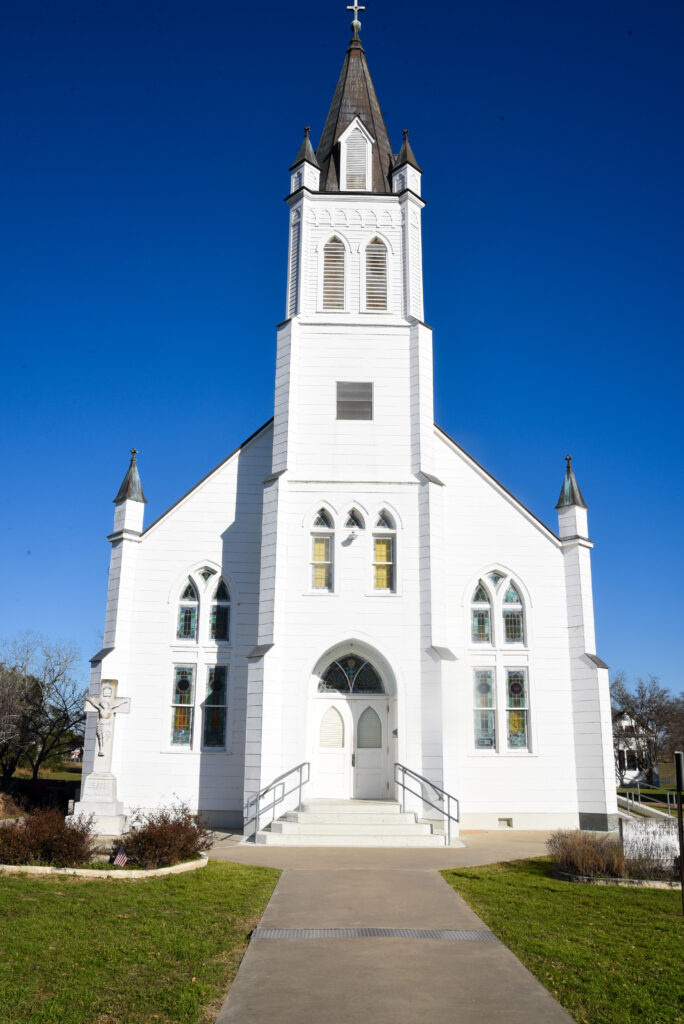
[333, 274]
[354, 521]
[322, 552]
[384, 553]
[369, 730]
[332, 729]
[376, 275]
[186, 628]
[219, 622]
[481, 615]
[514, 631]
[356, 147]
[350, 674]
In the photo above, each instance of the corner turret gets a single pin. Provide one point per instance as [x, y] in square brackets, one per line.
[572, 508]
[130, 501]
[405, 170]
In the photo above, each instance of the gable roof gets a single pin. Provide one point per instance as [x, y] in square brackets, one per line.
[207, 475]
[500, 487]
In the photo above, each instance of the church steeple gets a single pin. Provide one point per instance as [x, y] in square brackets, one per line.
[570, 493]
[354, 98]
[131, 488]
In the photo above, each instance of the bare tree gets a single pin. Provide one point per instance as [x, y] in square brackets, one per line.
[648, 711]
[44, 706]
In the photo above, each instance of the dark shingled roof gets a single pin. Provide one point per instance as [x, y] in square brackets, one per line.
[405, 154]
[570, 493]
[354, 95]
[305, 152]
[131, 488]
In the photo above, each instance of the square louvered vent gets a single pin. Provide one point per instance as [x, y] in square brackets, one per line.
[354, 401]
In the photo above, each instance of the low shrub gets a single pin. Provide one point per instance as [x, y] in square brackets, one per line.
[581, 853]
[167, 836]
[9, 807]
[46, 837]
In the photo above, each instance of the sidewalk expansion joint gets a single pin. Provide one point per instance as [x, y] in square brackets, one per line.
[450, 934]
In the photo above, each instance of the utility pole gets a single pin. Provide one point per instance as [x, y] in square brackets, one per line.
[679, 777]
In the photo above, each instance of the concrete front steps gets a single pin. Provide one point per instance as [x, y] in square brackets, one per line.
[351, 823]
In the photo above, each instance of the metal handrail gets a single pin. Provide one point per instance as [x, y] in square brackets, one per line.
[278, 798]
[442, 795]
[661, 796]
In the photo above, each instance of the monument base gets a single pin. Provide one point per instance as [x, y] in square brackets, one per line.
[98, 797]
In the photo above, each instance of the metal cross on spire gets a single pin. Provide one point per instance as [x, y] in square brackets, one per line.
[356, 24]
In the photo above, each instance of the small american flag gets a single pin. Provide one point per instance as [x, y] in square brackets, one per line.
[121, 859]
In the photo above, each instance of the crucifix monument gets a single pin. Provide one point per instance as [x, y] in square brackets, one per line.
[98, 793]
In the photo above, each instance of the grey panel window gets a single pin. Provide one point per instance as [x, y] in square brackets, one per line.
[354, 401]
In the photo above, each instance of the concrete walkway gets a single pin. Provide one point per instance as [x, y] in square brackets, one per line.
[463, 976]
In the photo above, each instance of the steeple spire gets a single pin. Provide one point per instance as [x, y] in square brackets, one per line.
[405, 154]
[131, 488]
[570, 493]
[354, 97]
[305, 151]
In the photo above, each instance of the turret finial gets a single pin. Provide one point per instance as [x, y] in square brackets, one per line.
[307, 129]
[134, 452]
[356, 24]
[568, 460]
[405, 133]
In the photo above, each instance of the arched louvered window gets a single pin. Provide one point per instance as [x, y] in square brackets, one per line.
[356, 152]
[186, 628]
[376, 275]
[333, 274]
[220, 613]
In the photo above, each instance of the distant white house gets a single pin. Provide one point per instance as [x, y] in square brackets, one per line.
[350, 589]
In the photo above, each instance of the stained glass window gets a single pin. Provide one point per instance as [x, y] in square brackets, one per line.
[512, 596]
[384, 521]
[480, 596]
[495, 578]
[321, 563]
[350, 674]
[186, 627]
[354, 520]
[513, 626]
[484, 701]
[182, 704]
[206, 573]
[481, 631]
[383, 564]
[214, 709]
[323, 520]
[517, 708]
[219, 620]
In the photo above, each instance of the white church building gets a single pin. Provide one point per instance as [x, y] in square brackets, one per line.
[350, 594]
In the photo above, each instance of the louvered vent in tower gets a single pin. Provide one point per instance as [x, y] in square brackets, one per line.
[356, 160]
[333, 274]
[376, 275]
[292, 305]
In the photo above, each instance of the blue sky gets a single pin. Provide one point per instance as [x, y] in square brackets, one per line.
[145, 159]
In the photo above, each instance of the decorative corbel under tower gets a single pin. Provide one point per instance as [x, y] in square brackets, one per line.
[590, 685]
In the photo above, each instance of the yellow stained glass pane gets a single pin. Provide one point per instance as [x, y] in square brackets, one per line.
[321, 577]
[321, 549]
[383, 549]
[383, 577]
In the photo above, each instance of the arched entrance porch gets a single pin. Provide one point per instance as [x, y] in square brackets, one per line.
[352, 725]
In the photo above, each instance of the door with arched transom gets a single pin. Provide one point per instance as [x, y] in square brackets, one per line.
[352, 726]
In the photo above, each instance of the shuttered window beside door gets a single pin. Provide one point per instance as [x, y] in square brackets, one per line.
[376, 275]
[357, 147]
[333, 274]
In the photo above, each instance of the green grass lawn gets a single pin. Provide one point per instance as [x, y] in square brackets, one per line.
[607, 954]
[58, 773]
[108, 952]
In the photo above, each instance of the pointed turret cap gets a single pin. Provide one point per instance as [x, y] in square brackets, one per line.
[305, 152]
[131, 488]
[570, 493]
[405, 154]
[354, 97]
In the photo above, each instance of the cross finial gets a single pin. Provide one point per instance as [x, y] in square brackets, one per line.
[307, 130]
[134, 452]
[356, 24]
[568, 459]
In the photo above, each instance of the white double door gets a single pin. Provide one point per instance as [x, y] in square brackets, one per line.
[352, 748]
